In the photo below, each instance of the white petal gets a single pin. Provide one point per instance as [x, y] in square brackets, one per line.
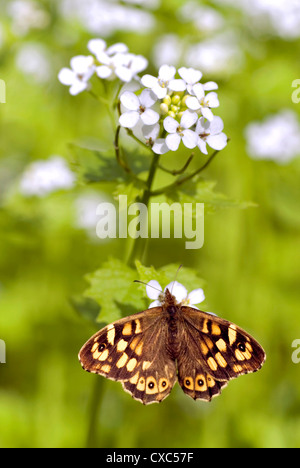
[198, 91]
[151, 131]
[103, 71]
[192, 103]
[118, 48]
[212, 99]
[130, 101]
[203, 126]
[81, 63]
[129, 119]
[149, 81]
[190, 75]
[188, 119]
[66, 76]
[216, 126]
[202, 146]
[77, 87]
[138, 63]
[153, 289]
[160, 146]
[190, 139]
[154, 304]
[124, 73]
[170, 124]
[167, 72]
[96, 45]
[159, 91]
[196, 296]
[149, 117]
[177, 85]
[178, 290]
[210, 85]
[173, 141]
[147, 98]
[217, 142]
[207, 113]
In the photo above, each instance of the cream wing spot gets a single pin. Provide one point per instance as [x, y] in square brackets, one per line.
[138, 328]
[131, 364]
[111, 333]
[122, 361]
[212, 363]
[122, 345]
[127, 329]
[103, 356]
[232, 334]
[221, 345]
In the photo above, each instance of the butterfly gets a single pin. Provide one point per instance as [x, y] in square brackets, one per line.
[148, 352]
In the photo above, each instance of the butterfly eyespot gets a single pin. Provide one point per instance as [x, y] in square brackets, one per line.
[241, 347]
[101, 347]
[200, 382]
[151, 385]
[187, 382]
[164, 383]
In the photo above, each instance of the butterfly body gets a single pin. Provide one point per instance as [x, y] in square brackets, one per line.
[151, 350]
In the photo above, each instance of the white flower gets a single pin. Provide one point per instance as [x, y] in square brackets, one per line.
[202, 102]
[178, 132]
[82, 68]
[154, 291]
[116, 61]
[164, 82]
[190, 76]
[277, 138]
[44, 177]
[138, 107]
[211, 133]
[99, 48]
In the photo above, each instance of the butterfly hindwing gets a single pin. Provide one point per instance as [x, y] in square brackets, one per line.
[133, 350]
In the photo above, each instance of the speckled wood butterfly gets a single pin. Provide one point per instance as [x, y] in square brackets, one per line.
[149, 351]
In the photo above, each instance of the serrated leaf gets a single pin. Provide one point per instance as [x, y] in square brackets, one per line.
[112, 287]
[203, 191]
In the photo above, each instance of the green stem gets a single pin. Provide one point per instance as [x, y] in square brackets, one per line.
[95, 403]
[183, 180]
[137, 248]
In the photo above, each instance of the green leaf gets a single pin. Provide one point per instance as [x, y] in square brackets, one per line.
[112, 287]
[203, 191]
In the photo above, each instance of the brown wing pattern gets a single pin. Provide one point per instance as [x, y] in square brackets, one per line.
[133, 350]
[217, 351]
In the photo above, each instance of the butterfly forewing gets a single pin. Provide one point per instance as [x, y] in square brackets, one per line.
[132, 350]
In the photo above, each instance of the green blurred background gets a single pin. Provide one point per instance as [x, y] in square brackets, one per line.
[250, 258]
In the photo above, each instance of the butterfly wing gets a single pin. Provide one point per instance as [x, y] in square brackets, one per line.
[133, 350]
[217, 352]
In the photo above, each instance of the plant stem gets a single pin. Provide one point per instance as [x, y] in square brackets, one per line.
[181, 181]
[95, 403]
[137, 248]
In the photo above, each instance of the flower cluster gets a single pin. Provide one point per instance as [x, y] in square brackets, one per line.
[165, 110]
[170, 110]
[106, 62]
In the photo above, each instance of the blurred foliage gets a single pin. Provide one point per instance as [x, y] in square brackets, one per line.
[58, 282]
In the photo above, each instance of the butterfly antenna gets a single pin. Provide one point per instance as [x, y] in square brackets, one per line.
[180, 266]
[147, 284]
